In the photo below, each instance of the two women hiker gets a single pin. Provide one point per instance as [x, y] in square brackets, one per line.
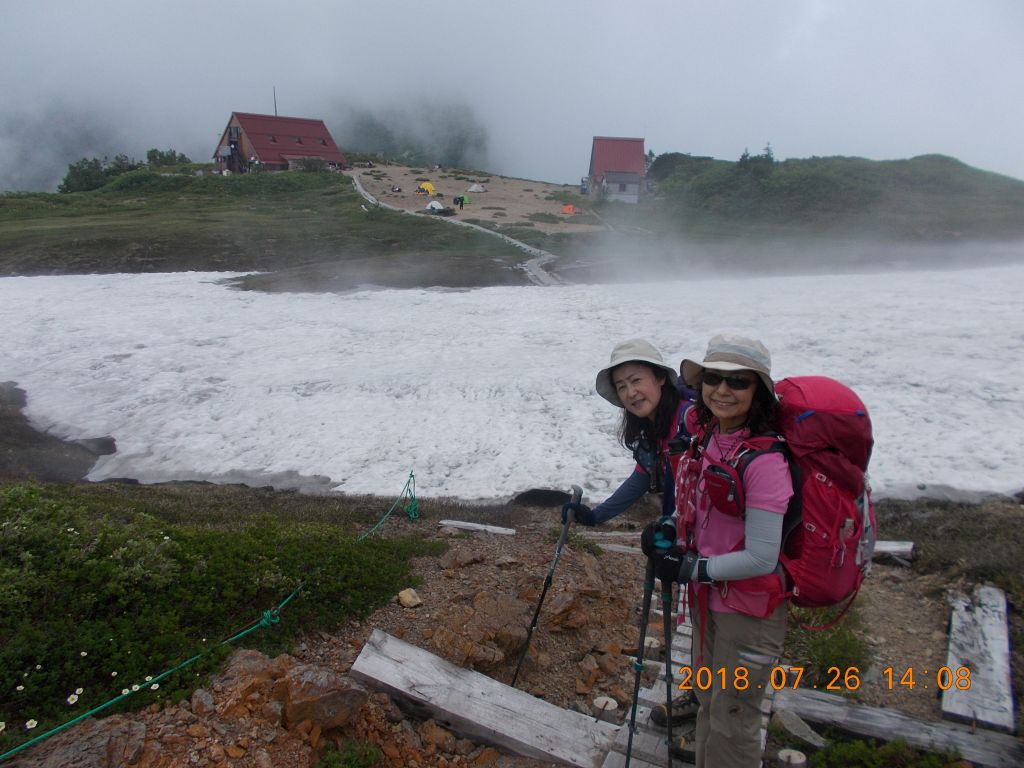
[713, 540]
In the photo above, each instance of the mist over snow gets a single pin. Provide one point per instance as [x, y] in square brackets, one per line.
[528, 83]
[484, 393]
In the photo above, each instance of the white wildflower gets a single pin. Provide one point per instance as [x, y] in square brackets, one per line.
[135, 688]
[72, 698]
[85, 653]
[2, 726]
[124, 691]
[113, 674]
[30, 724]
[79, 691]
[154, 686]
[148, 678]
[20, 688]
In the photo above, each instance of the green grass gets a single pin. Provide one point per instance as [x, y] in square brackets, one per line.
[894, 754]
[545, 218]
[929, 198]
[353, 754]
[827, 654]
[148, 222]
[142, 222]
[132, 580]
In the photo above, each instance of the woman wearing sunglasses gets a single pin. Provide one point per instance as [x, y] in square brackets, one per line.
[639, 382]
[732, 489]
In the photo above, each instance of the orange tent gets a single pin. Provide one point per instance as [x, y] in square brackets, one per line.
[569, 209]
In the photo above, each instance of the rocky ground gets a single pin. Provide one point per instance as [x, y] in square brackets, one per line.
[473, 608]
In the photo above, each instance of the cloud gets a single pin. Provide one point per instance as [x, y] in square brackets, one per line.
[875, 79]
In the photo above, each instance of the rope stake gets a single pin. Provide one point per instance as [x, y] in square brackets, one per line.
[412, 508]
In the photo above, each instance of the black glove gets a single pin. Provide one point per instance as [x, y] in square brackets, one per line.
[582, 514]
[658, 538]
[676, 565]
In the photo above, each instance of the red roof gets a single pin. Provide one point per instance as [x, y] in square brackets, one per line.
[617, 154]
[275, 139]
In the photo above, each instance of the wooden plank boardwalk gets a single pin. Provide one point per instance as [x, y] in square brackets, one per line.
[984, 749]
[979, 661]
[491, 712]
[650, 745]
[978, 641]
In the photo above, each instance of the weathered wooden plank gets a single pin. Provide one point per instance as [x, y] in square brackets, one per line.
[979, 643]
[480, 708]
[983, 748]
[901, 549]
[477, 527]
[619, 542]
[648, 745]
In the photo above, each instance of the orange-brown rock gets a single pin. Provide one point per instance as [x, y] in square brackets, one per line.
[434, 734]
[313, 693]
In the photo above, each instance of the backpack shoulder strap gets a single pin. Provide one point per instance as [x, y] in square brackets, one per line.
[757, 445]
[775, 443]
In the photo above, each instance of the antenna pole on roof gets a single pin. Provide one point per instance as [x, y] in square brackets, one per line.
[275, 100]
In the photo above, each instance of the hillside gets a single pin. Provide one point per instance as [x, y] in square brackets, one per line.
[703, 214]
[926, 198]
[148, 222]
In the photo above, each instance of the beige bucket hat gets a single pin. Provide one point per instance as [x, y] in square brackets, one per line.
[727, 352]
[631, 351]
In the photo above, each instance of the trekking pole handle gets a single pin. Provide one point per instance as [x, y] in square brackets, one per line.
[570, 518]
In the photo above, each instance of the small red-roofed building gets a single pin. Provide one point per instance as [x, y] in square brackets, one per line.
[617, 168]
[275, 143]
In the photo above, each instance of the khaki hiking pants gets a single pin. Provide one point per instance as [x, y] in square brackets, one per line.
[729, 720]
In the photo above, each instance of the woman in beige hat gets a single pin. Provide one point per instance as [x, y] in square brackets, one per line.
[728, 553]
[638, 381]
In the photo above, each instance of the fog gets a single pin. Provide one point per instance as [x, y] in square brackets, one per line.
[601, 260]
[516, 88]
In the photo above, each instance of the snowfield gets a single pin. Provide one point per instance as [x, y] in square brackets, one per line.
[487, 392]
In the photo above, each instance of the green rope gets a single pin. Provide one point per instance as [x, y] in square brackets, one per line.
[267, 619]
[412, 508]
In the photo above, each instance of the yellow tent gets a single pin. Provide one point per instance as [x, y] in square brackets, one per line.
[427, 187]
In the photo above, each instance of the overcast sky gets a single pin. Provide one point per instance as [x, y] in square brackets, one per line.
[881, 79]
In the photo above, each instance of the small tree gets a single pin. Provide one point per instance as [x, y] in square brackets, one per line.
[155, 157]
[88, 173]
[757, 166]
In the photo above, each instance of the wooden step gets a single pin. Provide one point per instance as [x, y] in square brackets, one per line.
[479, 708]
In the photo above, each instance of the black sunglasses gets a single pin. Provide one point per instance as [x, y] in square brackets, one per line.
[712, 379]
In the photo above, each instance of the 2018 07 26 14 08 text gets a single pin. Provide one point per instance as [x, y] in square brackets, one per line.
[836, 678]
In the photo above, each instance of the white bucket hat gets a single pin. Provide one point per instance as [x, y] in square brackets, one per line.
[732, 353]
[631, 351]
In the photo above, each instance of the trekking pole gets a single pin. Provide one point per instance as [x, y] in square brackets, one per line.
[577, 494]
[644, 616]
[666, 612]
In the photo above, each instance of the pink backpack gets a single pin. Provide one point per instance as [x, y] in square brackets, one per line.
[828, 535]
[827, 550]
